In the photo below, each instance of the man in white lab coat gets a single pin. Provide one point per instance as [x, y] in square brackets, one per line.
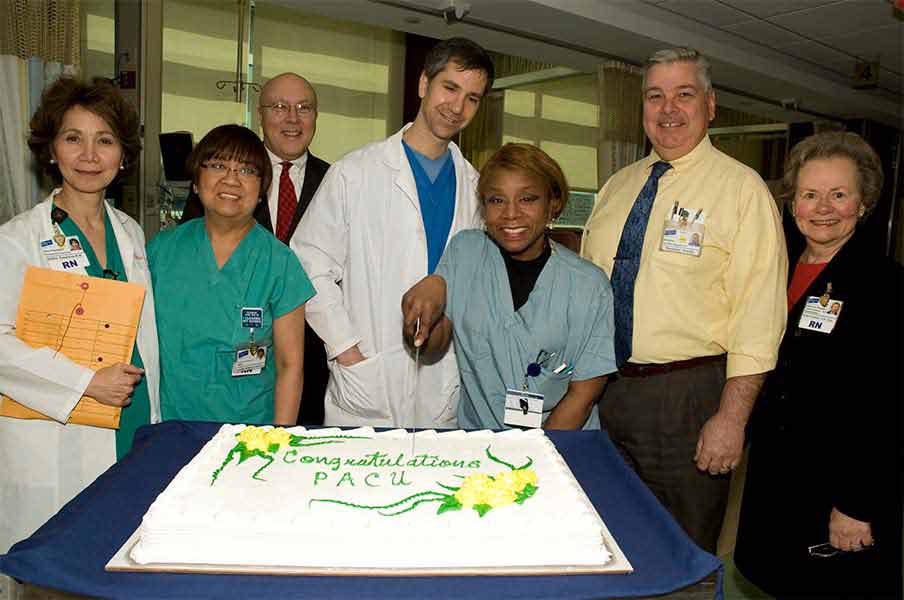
[378, 224]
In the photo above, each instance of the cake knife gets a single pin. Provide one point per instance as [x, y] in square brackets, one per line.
[417, 366]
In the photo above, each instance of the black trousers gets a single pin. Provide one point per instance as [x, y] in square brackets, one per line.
[316, 375]
[655, 423]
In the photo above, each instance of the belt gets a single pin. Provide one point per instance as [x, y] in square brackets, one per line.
[650, 369]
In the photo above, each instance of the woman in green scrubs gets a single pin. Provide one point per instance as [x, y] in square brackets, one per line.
[229, 288]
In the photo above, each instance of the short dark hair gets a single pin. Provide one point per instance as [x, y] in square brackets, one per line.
[836, 144]
[232, 142]
[529, 159]
[464, 53]
[100, 97]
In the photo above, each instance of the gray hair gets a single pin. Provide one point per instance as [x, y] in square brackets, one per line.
[681, 54]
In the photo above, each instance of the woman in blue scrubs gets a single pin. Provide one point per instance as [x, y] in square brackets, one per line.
[228, 289]
[526, 313]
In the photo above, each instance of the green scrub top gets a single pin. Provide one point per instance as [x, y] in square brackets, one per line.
[137, 413]
[199, 320]
[569, 313]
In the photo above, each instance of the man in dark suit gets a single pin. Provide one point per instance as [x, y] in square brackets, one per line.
[288, 113]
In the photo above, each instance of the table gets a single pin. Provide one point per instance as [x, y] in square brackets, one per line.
[69, 552]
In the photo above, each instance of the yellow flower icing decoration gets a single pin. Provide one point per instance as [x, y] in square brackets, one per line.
[257, 438]
[279, 436]
[503, 489]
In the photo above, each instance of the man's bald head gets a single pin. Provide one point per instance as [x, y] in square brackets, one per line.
[288, 111]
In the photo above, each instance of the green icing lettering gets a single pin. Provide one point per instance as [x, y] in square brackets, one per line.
[474, 464]
[333, 462]
[286, 456]
[319, 476]
[398, 478]
[346, 477]
[367, 479]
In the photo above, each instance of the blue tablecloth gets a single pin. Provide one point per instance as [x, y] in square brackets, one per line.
[69, 552]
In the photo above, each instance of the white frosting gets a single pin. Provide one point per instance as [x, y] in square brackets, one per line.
[278, 519]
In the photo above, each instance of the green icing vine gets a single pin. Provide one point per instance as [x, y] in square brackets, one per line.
[529, 462]
[437, 497]
[301, 440]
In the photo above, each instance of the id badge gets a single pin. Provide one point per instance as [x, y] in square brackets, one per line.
[820, 314]
[683, 234]
[67, 256]
[523, 409]
[252, 317]
[249, 361]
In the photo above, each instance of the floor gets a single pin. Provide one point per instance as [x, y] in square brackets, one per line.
[736, 586]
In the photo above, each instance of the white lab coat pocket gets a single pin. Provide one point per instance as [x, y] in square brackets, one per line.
[359, 389]
[444, 411]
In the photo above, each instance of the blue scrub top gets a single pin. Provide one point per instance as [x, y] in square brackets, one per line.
[199, 322]
[569, 312]
[436, 197]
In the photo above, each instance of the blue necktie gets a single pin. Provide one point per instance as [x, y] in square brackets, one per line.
[627, 262]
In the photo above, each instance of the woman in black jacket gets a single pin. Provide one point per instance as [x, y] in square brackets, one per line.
[821, 512]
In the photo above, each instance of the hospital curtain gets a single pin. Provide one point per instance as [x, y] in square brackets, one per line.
[507, 65]
[483, 136]
[621, 139]
[39, 40]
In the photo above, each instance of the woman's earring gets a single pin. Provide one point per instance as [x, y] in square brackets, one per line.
[122, 166]
[53, 161]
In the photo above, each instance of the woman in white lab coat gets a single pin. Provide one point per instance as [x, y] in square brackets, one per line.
[84, 136]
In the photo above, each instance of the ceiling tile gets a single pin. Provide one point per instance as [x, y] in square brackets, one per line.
[883, 42]
[764, 33]
[838, 19]
[706, 11]
[771, 8]
[891, 81]
[816, 54]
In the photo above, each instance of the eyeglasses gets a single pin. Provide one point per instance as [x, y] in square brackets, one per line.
[280, 110]
[827, 550]
[221, 169]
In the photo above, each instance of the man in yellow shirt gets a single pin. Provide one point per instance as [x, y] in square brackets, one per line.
[693, 245]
